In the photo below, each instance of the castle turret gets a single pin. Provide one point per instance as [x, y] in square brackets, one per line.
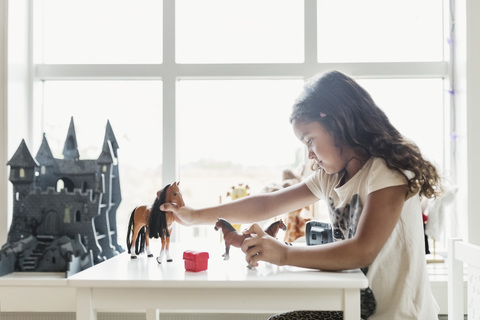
[110, 144]
[108, 164]
[22, 171]
[110, 136]
[47, 166]
[70, 149]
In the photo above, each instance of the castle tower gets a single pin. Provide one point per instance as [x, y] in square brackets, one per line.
[116, 195]
[106, 222]
[22, 171]
[70, 149]
[22, 176]
[48, 166]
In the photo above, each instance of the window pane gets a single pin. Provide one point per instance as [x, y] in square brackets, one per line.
[416, 108]
[107, 31]
[231, 132]
[135, 114]
[233, 31]
[379, 30]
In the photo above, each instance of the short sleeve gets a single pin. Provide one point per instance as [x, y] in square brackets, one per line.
[380, 177]
[312, 184]
[320, 182]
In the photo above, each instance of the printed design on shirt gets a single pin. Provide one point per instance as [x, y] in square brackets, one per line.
[345, 220]
[344, 225]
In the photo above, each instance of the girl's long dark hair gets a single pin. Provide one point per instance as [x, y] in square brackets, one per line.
[349, 113]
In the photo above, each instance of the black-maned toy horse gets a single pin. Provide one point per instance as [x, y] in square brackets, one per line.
[148, 221]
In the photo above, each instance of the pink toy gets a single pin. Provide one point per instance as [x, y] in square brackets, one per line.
[195, 261]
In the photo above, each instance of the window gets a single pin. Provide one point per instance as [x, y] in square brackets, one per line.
[250, 31]
[200, 91]
[100, 32]
[380, 31]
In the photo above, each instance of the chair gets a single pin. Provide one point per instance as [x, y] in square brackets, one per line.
[460, 252]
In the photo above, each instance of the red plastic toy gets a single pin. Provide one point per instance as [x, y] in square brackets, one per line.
[195, 261]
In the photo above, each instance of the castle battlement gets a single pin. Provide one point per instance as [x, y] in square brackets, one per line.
[52, 190]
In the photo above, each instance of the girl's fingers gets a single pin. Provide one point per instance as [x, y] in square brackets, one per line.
[254, 230]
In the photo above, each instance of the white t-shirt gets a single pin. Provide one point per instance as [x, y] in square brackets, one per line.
[398, 276]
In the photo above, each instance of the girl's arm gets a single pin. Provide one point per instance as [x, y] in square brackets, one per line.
[378, 219]
[249, 209]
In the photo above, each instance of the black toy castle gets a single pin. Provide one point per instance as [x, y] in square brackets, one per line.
[64, 210]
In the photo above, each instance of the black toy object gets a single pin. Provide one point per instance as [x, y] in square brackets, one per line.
[317, 232]
[64, 210]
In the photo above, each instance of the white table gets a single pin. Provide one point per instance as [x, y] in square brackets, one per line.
[36, 292]
[225, 287]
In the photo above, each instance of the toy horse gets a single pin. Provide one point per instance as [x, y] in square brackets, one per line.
[235, 238]
[273, 229]
[151, 222]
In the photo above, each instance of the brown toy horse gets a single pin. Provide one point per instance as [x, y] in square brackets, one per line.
[151, 222]
[235, 238]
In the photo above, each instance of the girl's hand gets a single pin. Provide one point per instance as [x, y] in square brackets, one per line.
[183, 215]
[262, 247]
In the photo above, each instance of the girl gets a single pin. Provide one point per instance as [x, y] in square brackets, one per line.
[372, 179]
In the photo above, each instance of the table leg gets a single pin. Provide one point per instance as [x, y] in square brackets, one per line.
[352, 304]
[84, 305]
[152, 314]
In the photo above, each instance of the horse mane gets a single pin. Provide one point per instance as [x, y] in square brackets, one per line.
[275, 223]
[227, 224]
[157, 223]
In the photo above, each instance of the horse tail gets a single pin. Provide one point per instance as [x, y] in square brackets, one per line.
[130, 230]
[140, 244]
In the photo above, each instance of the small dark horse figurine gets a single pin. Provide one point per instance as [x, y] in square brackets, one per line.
[151, 222]
[235, 238]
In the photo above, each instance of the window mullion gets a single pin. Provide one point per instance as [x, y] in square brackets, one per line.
[169, 130]
[311, 45]
[435, 69]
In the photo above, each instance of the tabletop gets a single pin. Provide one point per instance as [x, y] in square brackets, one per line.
[225, 287]
[121, 271]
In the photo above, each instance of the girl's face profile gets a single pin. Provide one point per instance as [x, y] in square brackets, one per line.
[320, 145]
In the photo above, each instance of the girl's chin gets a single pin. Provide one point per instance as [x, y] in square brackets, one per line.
[322, 168]
[327, 170]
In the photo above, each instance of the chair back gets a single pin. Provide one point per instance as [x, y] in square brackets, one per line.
[460, 253]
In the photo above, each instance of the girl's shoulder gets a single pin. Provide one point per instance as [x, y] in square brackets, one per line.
[378, 175]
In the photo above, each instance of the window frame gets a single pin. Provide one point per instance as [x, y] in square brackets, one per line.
[169, 71]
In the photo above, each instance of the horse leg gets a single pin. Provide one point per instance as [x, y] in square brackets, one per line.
[162, 251]
[147, 245]
[167, 245]
[136, 230]
[167, 250]
[226, 255]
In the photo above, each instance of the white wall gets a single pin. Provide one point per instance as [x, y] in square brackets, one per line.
[3, 121]
[15, 72]
[467, 102]
[473, 116]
